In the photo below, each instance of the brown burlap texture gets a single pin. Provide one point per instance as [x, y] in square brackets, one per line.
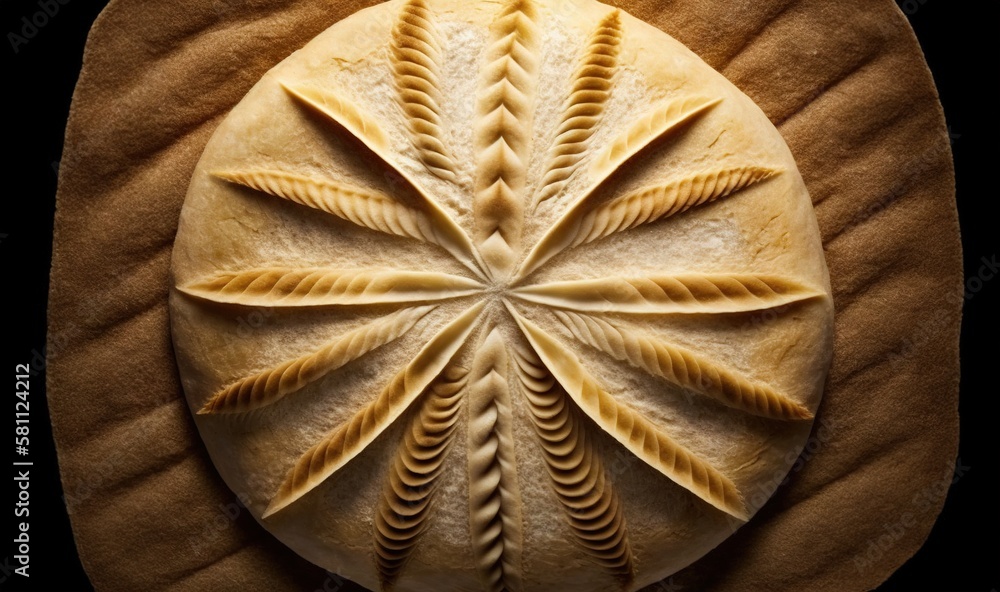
[844, 81]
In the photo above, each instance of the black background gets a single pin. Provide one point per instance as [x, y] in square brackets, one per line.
[959, 40]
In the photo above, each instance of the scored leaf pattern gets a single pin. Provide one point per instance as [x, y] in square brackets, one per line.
[566, 402]
[349, 439]
[344, 112]
[350, 118]
[365, 208]
[665, 294]
[591, 89]
[287, 286]
[416, 52]
[503, 134]
[658, 123]
[589, 499]
[682, 367]
[404, 508]
[494, 499]
[653, 203]
[643, 207]
[270, 386]
[634, 432]
[663, 120]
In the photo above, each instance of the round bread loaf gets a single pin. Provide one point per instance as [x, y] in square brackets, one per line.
[500, 296]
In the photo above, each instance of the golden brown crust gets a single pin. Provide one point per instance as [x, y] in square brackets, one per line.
[140, 487]
[272, 385]
[663, 294]
[350, 438]
[298, 287]
[495, 514]
[367, 209]
[404, 509]
[506, 104]
[682, 367]
[354, 120]
[633, 431]
[649, 202]
[591, 89]
[416, 52]
[655, 203]
[590, 501]
[660, 121]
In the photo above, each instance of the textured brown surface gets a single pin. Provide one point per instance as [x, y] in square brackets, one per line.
[847, 87]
